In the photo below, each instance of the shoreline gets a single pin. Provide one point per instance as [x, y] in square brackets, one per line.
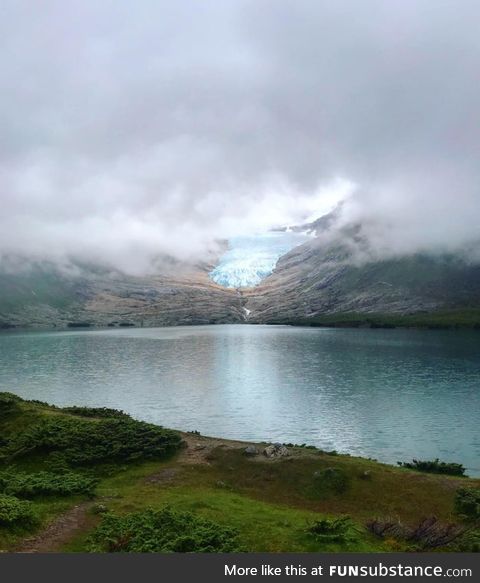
[367, 323]
[470, 472]
[269, 495]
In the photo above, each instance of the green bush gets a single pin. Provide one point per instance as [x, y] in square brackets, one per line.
[15, 511]
[332, 529]
[8, 405]
[303, 445]
[162, 531]
[45, 484]
[469, 543]
[331, 480]
[103, 412]
[434, 467]
[467, 503]
[56, 463]
[83, 441]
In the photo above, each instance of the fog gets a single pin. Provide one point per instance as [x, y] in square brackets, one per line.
[130, 131]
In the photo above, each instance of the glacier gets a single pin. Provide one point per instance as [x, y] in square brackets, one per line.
[249, 259]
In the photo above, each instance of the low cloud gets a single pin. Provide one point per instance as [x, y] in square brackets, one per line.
[129, 132]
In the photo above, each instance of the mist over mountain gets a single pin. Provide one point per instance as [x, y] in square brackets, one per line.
[136, 140]
[318, 272]
[135, 132]
[331, 280]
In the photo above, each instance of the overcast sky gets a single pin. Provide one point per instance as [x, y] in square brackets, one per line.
[132, 129]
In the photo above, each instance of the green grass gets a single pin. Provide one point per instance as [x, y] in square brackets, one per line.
[262, 525]
[270, 504]
[273, 504]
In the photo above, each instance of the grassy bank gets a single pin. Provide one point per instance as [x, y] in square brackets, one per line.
[442, 320]
[82, 479]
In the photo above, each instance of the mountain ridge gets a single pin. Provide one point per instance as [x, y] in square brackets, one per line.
[327, 280]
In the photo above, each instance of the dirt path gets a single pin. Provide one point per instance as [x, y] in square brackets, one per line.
[63, 528]
[59, 532]
[77, 519]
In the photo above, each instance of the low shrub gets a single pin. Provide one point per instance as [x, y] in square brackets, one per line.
[26, 485]
[15, 511]
[56, 463]
[332, 529]
[8, 405]
[469, 543]
[434, 467]
[162, 531]
[99, 412]
[331, 480]
[467, 503]
[83, 441]
[302, 445]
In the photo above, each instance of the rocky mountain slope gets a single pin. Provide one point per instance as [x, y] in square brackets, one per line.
[314, 281]
[322, 281]
[44, 297]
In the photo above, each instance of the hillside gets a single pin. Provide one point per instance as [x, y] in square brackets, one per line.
[314, 283]
[319, 282]
[43, 296]
[79, 479]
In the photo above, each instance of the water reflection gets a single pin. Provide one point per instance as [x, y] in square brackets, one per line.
[390, 394]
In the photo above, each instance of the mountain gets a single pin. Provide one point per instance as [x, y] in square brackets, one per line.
[289, 276]
[318, 283]
[44, 296]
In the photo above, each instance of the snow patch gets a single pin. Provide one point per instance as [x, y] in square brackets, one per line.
[246, 313]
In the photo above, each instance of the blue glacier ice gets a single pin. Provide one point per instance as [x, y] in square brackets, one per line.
[249, 259]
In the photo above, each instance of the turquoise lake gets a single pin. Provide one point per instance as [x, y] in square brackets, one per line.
[387, 394]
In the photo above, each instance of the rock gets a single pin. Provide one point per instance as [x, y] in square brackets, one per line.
[199, 447]
[250, 451]
[275, 450]
[99, 509]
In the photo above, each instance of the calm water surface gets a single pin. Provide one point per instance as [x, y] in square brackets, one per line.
[388, 394]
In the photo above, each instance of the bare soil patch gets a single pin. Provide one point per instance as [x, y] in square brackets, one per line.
[59, 532]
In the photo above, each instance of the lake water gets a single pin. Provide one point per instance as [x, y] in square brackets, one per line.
[388, 394]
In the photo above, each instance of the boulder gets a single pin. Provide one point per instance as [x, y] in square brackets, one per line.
[275, 450]
[250, 451]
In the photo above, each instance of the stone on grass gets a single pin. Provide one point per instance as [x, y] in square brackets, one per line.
[275, 450]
